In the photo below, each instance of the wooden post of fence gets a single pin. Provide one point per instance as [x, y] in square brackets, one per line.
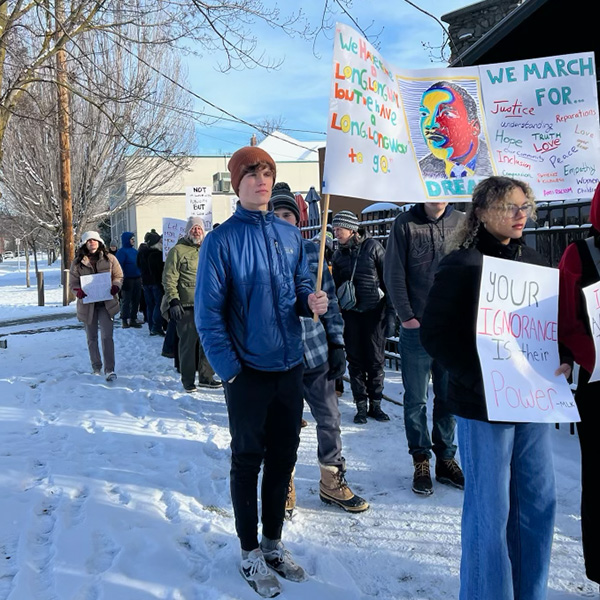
[66, 287]
[40, 287]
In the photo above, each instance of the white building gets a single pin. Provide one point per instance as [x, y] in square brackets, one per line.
[297, 164]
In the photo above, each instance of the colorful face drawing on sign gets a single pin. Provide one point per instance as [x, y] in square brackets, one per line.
[450, 127]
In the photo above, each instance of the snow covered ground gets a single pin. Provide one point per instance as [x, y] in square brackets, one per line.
[120, 491]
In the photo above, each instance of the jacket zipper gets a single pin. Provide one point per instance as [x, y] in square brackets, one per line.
[274, 288]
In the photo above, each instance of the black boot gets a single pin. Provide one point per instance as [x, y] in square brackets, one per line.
[361, 412]
[375, 411]
[125, 324]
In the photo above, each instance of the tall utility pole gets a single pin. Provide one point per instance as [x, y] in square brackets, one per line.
[64, 142]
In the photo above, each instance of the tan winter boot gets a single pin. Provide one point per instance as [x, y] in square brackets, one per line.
[290, 501]
[333, 489]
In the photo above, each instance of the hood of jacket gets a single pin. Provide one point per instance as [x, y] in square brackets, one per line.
[126, 239]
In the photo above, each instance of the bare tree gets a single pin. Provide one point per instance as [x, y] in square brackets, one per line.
[31, 34]
[269, 125]
[141, 115]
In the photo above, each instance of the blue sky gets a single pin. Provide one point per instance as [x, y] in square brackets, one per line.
[298, 91]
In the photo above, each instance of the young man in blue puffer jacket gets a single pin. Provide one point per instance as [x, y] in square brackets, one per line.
[252, 286]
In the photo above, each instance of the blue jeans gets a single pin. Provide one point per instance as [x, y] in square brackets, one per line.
[508, 510]
[153, 295]
[417, 367]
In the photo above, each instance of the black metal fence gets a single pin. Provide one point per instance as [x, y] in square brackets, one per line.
[556, 226]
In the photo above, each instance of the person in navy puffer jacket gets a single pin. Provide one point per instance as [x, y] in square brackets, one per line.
[252, 286]
[132, 283]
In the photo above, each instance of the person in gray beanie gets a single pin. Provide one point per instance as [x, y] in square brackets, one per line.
[179, 283]
[370, 320]
[346, 220]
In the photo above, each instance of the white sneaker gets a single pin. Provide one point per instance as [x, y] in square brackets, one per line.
[280, 560]
[111, 376]
[254, 570]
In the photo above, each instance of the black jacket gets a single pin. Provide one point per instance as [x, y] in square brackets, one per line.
[414, 249]
[150, 263]
[368, 254]
[450, 317]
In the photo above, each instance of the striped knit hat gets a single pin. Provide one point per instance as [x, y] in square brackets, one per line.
[346, 219]
[282, 197]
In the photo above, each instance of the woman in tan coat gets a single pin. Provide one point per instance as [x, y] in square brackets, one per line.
[93, 258]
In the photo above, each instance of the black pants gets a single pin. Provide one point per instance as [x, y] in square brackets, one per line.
[587, 397]
[364, 337]
[131, 293]
[264, 410]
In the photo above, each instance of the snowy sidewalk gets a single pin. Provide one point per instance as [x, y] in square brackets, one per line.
[121, 491]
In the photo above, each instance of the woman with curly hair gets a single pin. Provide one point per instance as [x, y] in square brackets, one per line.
[509, 500]
[92, 258]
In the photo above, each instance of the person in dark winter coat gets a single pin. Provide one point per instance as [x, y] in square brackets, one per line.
[414, 249]
[92, 258]
[510, 498]
[253, 283]
[578, 269]
[324, 362]
[371, 320]
[150, 263]
[132, 282]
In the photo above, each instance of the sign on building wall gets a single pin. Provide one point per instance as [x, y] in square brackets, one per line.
[401, 135]
[198, 202]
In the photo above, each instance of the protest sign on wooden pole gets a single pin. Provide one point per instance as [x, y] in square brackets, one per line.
[322, 245]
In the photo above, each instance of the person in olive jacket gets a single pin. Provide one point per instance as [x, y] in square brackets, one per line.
[510, 496]
[93, 258]
[179, 283]
[371, 320]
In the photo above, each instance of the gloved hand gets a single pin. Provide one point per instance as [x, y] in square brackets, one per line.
[176, 311]
[80, 293]
[390, 325]
[337, 362]
[114, 290]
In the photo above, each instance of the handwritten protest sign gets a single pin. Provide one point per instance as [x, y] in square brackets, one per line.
[517, 344]
[592, 301]
[402, 135]
[198, 202]
[97, 287]
[367, 139]
[173, 229]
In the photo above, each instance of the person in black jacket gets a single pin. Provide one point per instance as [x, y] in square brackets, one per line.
[509, 500]
[414, 249]
[371, 320]
[150, 263]
[578, 269]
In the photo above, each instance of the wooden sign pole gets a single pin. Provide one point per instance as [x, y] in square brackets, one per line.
[324, 214]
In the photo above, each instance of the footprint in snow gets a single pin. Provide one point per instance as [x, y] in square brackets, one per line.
[104, 552]
[119, 495]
